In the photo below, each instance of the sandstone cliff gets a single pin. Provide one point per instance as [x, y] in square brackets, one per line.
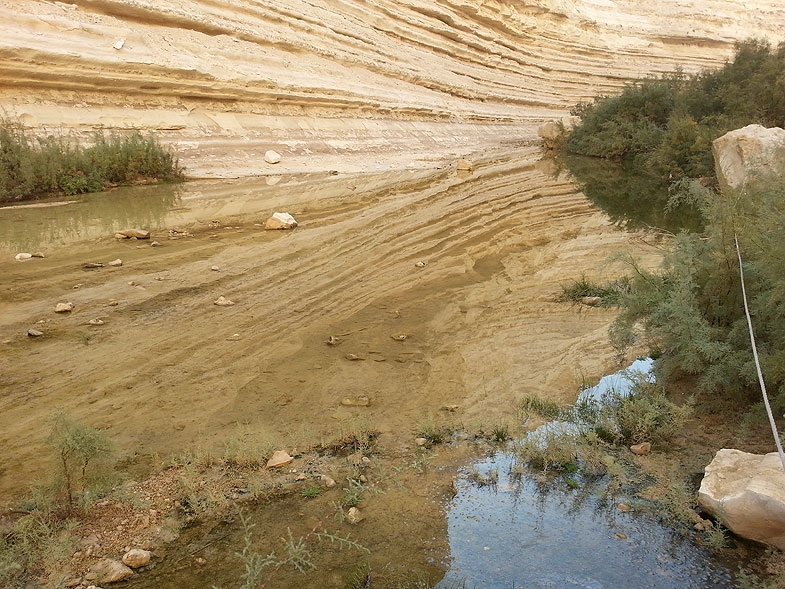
[345, 84]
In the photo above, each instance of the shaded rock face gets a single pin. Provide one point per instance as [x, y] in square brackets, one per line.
[111, 571]
[338, 77]
[746, 492]
[749, 153]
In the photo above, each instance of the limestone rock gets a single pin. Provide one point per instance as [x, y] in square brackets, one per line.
[465, 165]
[34, 333]
[64, 307]
[136, 557]
[38, 255]
[22, 256]
[354, 515]
[129, 233]
[549, 133]
[272, 157]
[744, 154]
[95, 322]
[155, 243]
[421, 441]
[110, 570]
[117, 262]
[280, 221]
[746, 492]
[591, 301]
[327, 481]
[641, 449]
[222, 301]
[278, 459]
[91, 265]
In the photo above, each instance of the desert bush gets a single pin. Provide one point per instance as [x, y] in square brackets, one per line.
[82, 457]
[32, 167]
[667, 124]
[610, 293]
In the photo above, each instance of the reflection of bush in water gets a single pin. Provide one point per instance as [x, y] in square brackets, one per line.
[140, 206]
[629, 196]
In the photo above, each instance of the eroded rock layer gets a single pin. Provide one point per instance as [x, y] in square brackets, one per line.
[403, 79]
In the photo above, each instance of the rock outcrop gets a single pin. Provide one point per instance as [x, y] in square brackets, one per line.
[333, 80]
[749, 153]
[746, 492]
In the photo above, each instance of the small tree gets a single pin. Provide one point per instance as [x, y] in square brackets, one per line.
[81, 453]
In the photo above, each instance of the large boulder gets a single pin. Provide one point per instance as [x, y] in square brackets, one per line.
[748, 153]
[746, 492]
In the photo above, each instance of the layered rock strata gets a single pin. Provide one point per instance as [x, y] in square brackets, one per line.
[344, 84]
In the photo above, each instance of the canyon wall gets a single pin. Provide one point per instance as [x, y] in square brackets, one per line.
[344, 84]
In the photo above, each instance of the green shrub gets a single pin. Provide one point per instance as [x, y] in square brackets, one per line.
[610, 293]
[667, 124]
[31, 167]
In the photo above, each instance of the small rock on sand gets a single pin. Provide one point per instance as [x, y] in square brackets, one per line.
[64, 307]
[421, 441]
[112, 303]
[420, 264]
[591, 301]
[328, 482]
[272, 157]
[354, 516]
[278, 459]
[110, 570]
[222, 301]
[95, 322]
[155, 243]
[280, 221]
[129, 233]
[88, 265]
[465, 165]
[117, 262]
[34, 333]
[361, 401]
[22, 256]
[215, 268]
[136, 557]
[38, 255]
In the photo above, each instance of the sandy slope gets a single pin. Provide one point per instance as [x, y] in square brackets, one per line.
[481, 323]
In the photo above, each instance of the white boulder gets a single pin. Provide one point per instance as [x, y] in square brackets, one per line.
[280, 221]
[746, 153]
[272, 157]
[746, 492]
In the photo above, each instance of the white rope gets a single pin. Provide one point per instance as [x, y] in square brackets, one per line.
[757, 363]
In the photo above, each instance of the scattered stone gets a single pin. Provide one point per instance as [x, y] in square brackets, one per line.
[641, 449]
[22, 256]
[624, 507]
[746, 492]
[400, 337]
[278, 459]
[177, 233]
[34, 333]
[95, 322]
[450, 408]
[118, 45]
[272, 157]
[421, 441]
[215, 268]
[155, 243]
[117, 262]
[365, 460]
[362, 478]
[38, 255]
[361, 401]
[354, 516]
[301, 477]
[74, 582]
[465, 165]
[222, 301]
[591, 301]
[88, 265]
[64, 307]
[136, 558]
[332, 341]
[747, 153]
[112, 303]
[91, 576]
[77, 286]
[280, 221]
[200, 561]
[235, 337]
[110, 570]
[420, 264]
[328, 482]
[353, 357]
[137, 233]
[549, 133]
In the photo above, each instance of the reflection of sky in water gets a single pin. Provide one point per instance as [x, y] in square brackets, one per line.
[620, 382]
[521, 535]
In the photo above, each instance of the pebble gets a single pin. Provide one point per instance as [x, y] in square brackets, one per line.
[22, 256]
[64, 307]
[34, 333]
[92, 265]
[620, 536]
[112, 303]
[354, 516]
[215, 268]
[353, 357]
[421, 441]
[400, 337]
[117, 262]
[420, 264]
[222, 301]
[155, 243]
[624, 507]
[328, 482]
[95, 322]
